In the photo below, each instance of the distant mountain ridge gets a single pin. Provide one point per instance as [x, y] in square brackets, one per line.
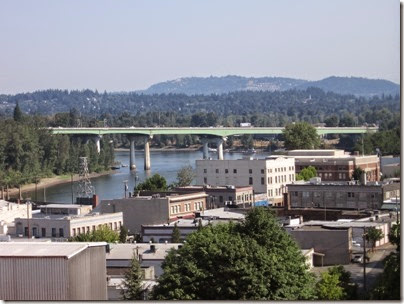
[220, 85]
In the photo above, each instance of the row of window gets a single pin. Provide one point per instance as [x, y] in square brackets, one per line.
[187, 207]
[320, 168]
[88, 229]
[250, 171]
[278, 192]
[329, 194]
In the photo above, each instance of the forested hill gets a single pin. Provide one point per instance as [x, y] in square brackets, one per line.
[218, 85]
[293, 103]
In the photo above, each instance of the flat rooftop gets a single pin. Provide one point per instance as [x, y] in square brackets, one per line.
[221, 213]
[126, 251]
[44, 249]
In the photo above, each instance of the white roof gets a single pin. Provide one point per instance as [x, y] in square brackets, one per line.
[64, 206]
[126, 251]
[222, 214]
[44, 249]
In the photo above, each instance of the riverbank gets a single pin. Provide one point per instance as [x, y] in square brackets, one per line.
[52, 181]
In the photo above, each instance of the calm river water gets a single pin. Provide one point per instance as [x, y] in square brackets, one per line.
[165, 163]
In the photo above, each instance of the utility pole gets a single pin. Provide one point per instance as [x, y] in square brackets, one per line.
[364, 259]
[28, 205]
[71, 186]
[126, 186]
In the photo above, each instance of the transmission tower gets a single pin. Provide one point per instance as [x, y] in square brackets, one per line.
[85, 189]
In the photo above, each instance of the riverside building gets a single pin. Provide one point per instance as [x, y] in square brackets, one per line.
[269, 175]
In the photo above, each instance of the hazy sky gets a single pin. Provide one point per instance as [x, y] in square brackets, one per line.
[128, 45]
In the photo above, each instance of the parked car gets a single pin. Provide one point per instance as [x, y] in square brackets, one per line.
[357, 259]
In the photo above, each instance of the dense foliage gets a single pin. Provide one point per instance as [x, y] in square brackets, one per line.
[301, 135]
[154, 183]
[28, 152]
[307, 173]
[176, 234]
[373, 235]
[253, 260]
[336, 284]
[388, 286]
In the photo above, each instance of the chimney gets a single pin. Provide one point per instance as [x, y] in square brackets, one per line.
[96, 200]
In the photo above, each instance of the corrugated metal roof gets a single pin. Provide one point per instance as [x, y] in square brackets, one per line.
[41, 249]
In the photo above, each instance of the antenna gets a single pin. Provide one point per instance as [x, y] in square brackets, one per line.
[85, 189]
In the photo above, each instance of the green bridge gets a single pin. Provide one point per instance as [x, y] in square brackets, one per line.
[208, 135]
[211, 131]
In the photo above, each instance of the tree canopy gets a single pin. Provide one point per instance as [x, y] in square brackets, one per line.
[336, 284]
[307, 173]
[254, 260]
[154, 183]
[185, 176]
[373, 235]
[301, 135]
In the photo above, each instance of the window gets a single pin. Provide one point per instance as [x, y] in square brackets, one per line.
[74, 231]
[351, 194]
[217, 170]
[205, 180]
[276, 179]
[88, 229]
[61, 232]
[221, 198]
[93, 227]
[43, 232]
[205, 170]
[296, 193]
[250, 180]
[262, 171]
[250, 171]
[230, 198]
[262, 180]
[172, 209]
[306, 194]
[226, 171]
[54, 232]
[234, 170]
[115, 226]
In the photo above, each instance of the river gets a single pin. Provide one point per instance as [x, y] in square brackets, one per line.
[165, 163]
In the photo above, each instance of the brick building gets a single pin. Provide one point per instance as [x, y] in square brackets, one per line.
[336, 165]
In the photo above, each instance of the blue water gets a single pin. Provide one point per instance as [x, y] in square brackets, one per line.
[165, 163]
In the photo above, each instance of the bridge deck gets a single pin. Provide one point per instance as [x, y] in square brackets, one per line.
[216, 131]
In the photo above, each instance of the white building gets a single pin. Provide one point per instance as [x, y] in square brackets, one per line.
[64, 220]
[8, 212]
[269, 175]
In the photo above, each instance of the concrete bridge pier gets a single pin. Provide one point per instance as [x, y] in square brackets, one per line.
[205, 143]
[147, 163]
[132, 165]
[219, 144]
[96, 139]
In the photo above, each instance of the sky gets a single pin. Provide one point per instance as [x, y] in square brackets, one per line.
[126, 45]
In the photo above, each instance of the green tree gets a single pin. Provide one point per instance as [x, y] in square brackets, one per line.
[132, 285]
[388, 285]
[344, 277]
[18, 115]
[307, 173]
[123, 234]
[154, 183]
[328, 287]
[176, 234]
[301, 135]
[373, 235]
[254, 260]
[185, 176]
[357, 173]
[101, 234]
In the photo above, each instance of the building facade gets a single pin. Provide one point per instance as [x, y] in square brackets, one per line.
[336, 165]
[220, 196]
[269, 175]
[340, 195]
[60, 271]
[155, 209]
[64, 221]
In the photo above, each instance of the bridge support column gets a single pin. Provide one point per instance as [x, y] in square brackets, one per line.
[219, 144]
[97, 140]
[147, 163]
[205, 143]
[132, 165]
